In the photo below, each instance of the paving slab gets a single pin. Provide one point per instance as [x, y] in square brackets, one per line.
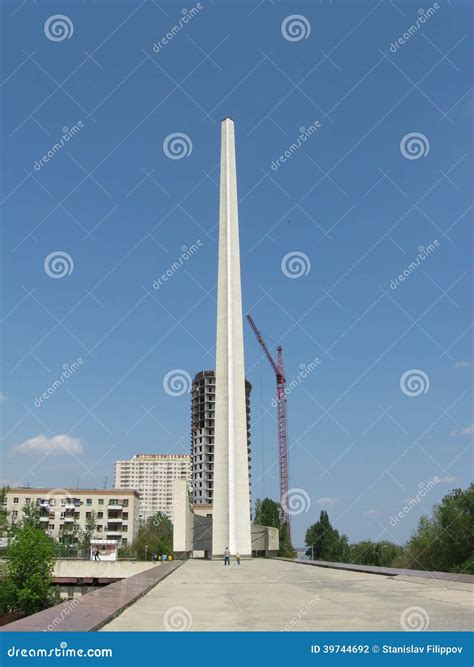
[267, 594]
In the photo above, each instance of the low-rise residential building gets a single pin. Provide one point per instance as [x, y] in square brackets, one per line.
[113, 513]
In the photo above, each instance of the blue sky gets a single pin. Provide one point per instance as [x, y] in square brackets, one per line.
[355, 201]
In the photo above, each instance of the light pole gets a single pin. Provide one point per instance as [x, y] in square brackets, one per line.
[146, 551]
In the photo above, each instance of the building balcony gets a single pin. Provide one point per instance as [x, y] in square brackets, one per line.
[115, 507]
[69, 519]
[44, 518]
[115, 519]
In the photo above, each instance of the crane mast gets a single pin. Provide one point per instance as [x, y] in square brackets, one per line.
[281, 419]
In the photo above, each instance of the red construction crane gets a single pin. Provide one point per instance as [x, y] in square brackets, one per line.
[281, 412]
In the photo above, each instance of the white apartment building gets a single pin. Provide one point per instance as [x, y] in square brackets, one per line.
[152, 476]
[114, 511]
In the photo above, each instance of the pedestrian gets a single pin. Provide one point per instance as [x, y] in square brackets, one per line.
[226, 556]
[237, 558]
[96, 555]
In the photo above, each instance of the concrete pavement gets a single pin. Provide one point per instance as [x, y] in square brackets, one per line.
[263, 594]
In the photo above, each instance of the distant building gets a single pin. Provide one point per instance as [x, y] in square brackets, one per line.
[115, 511]
[202, 437]
[152, 476]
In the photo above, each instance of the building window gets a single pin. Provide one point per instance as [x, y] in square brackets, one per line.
[101, 501]
[15, 514]
[99, 515]
[89, 501]
[15, 500]
[51, 526]
[88, 515]
[27, 501]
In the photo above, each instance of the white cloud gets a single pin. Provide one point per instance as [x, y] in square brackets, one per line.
[371, 512]
[57, 445]
[327, 501]
[447, 480]
[469, 430]
[463, 364]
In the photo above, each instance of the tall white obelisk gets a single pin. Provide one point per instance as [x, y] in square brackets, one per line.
[231, 500]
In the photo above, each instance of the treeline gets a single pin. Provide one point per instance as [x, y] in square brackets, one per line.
[442, 542]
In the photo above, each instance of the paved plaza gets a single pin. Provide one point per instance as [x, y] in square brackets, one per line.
[263, 594]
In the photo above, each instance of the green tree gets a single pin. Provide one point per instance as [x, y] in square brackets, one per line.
[324, 542]
[156, 535]
[3, 511]
[270, 513]
[444, 541]
[28, 572]
[86, 535]
[374, 553]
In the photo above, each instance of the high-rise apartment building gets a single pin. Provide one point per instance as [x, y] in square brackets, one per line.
[152, 476]
[202, 435]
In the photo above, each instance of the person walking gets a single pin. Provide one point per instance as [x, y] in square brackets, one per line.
[237, 558]
[226, 556]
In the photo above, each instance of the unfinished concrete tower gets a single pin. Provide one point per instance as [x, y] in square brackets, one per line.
[231, 511]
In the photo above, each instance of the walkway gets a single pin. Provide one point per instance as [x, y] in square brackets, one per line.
[277, 595]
